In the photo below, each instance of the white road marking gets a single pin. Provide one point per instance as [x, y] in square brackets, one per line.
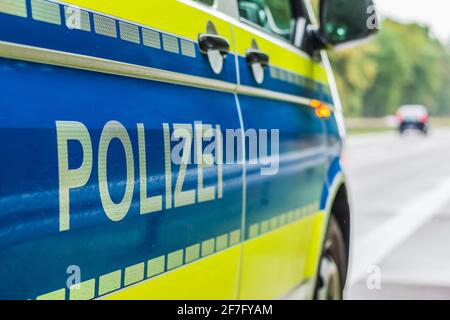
[382, 241]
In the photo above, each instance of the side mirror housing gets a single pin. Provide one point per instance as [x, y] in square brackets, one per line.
[344, 21]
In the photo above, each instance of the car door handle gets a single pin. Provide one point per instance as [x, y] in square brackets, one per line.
[212, 42]
[256, 56]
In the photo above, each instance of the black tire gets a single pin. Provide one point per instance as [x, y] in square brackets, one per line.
[333, 265]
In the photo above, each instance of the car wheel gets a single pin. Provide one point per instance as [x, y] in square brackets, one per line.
[333, 265]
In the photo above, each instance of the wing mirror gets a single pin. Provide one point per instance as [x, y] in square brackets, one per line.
[344, 21]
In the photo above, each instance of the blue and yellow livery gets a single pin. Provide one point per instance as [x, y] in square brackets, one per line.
[96, 98]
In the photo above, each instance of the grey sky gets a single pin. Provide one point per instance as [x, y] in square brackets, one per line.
[434, 13]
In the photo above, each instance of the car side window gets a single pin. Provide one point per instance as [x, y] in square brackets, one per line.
[275, 16]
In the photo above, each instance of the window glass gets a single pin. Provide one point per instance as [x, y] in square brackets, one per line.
[275, 16]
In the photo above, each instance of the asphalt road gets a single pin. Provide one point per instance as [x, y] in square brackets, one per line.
[400, 189]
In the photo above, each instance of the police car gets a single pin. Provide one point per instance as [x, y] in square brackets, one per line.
[173, 149]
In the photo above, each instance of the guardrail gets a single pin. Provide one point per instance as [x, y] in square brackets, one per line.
[367, 125]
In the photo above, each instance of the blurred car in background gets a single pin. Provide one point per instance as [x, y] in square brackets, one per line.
[413, 117]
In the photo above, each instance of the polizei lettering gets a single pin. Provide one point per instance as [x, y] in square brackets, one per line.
[201, 142]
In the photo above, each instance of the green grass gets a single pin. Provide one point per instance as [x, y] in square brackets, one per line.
[355, 131]
[357, 126]
[440, 122]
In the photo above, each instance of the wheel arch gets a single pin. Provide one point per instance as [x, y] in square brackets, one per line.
[340, 209]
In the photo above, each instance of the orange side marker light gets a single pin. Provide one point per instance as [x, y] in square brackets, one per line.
[322, 110]
[315, 103]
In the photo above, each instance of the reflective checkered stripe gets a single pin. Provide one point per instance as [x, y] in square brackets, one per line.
[139, 272]
[157, 266]
[14, 7]
[75, 18]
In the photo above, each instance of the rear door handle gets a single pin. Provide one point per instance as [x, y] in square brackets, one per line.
[212, 42]
[256, 56]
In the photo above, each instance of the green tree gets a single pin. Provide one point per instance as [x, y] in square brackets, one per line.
[443, 98]
[393, 70]
[404, 64]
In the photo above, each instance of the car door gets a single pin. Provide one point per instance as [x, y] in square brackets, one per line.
[106, 108]
[279, 84]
